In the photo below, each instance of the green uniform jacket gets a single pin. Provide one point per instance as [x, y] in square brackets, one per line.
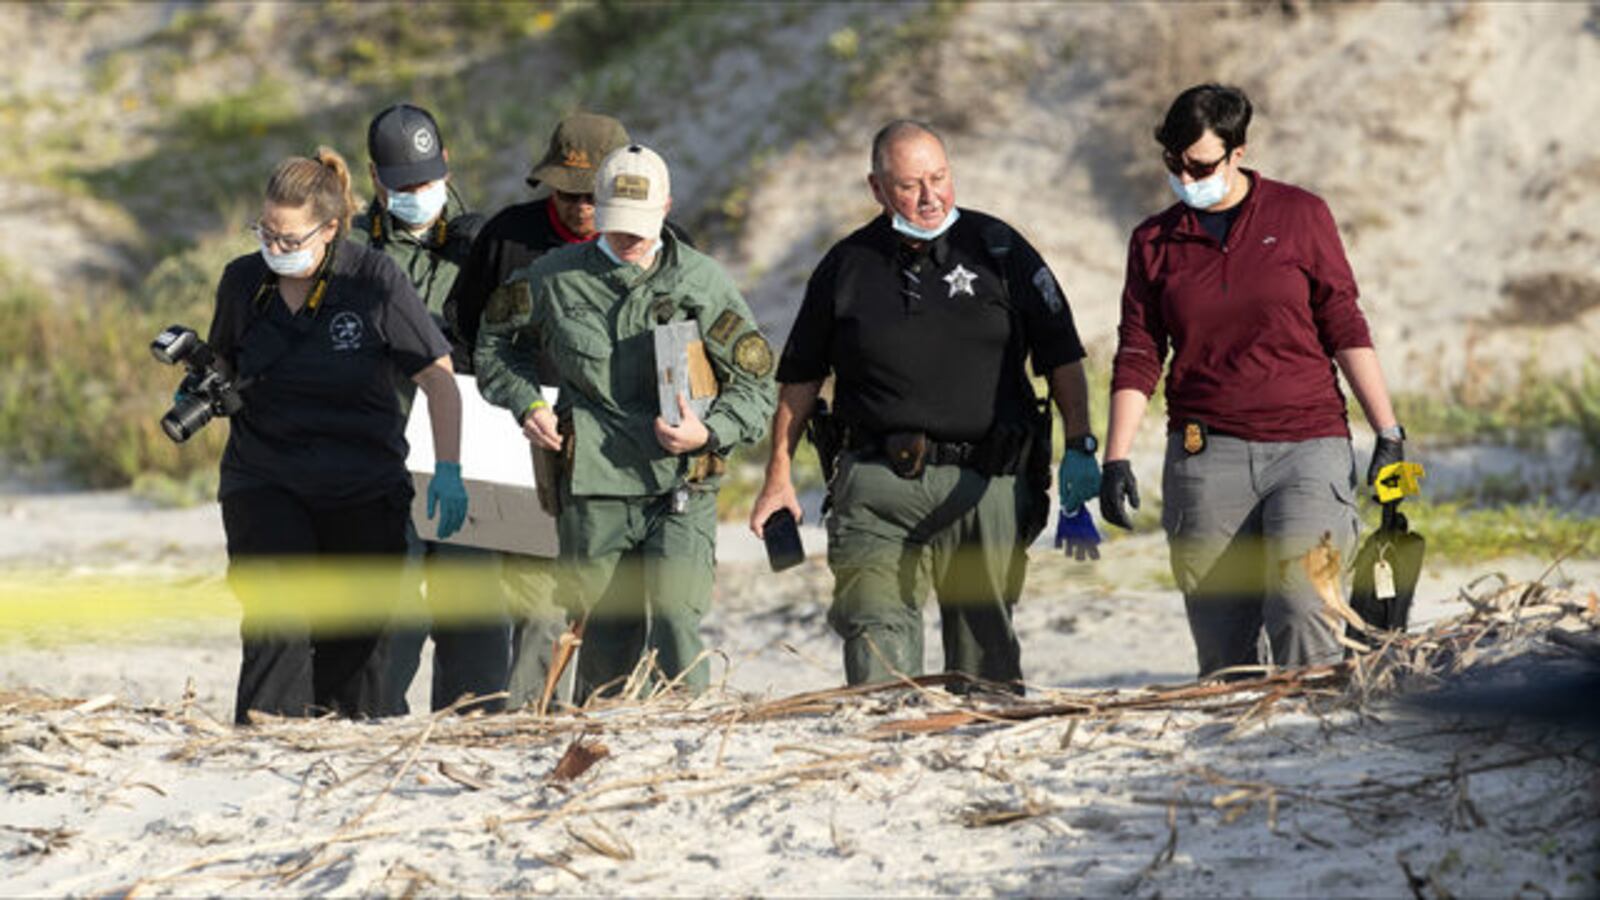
[432, 260]
[594, 319]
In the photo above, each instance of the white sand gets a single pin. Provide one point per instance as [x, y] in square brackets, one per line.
[97, 801]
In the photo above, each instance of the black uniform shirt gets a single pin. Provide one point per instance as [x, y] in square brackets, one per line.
[924, 341]
[321, 418]
[512, 238]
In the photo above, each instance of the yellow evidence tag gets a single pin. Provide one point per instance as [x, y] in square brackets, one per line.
[1398, 480]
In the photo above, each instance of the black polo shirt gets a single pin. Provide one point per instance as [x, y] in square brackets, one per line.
[321, 418]
[931, 349]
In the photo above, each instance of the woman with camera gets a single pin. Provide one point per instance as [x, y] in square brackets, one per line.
[313, 330]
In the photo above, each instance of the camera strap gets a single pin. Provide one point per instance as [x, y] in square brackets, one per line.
[319, 288]
[284, 337]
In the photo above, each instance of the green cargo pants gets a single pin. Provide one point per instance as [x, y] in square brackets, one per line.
[643, 573]
[890, 538]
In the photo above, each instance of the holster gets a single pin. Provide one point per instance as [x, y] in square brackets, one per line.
[906, 452]
[550, 467]
[705, 466]
[1003, 450]
[1035, 468]
[827, 437]
[547, 473]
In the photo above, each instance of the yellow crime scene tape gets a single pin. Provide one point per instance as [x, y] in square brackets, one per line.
[312, 593]
[330, 595]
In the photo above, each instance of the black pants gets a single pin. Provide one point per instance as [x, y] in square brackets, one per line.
[291, 668]
[471, 643]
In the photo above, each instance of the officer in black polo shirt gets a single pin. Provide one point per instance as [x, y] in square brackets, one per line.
[926, 317]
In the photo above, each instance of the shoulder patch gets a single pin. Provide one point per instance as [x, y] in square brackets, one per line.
[1046, 285]
[725, 325]
[512, 300]
[753, 354]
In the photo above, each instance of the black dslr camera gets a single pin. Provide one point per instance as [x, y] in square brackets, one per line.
[204, 393]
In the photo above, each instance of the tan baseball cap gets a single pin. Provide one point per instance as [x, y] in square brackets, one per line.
[631, 190]
[577, 145]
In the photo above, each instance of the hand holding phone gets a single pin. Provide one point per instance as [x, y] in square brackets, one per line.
[782, 536]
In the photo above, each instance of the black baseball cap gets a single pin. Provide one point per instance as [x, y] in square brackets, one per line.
[403, 143]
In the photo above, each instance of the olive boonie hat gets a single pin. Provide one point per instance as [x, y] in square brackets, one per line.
[580, 141]
[631, 192]
[404, 145]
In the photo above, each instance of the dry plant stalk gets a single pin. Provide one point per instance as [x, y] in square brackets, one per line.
[578, 759]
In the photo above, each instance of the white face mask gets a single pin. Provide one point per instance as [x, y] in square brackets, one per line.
[605, 247]
[421, 206]
[288, 264]
[904, 226]
[1202, 194]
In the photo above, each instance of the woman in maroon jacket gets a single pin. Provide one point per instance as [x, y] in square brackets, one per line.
[1245, 282]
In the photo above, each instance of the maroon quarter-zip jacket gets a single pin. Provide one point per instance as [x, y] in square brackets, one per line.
[1252, 325]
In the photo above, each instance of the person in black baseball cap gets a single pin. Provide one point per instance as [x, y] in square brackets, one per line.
[417, 220]
[403, 142]
[409, 166]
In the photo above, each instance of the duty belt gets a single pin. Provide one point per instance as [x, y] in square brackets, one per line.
[939, 453]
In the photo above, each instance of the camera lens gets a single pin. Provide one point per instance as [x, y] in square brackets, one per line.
[186, 417]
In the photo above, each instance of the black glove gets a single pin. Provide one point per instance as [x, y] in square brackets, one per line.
[1117, 482]
[1385, 452]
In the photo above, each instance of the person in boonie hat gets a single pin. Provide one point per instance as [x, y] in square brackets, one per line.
[632, 194]
[578, 144]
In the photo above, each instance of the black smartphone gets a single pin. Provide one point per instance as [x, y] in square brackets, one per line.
[783, 541]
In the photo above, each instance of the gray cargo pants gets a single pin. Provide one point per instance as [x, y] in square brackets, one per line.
[1239, 515]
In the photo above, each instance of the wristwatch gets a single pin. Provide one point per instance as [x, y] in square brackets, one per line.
[1083, 443]
[712, 442]
[1393, 433]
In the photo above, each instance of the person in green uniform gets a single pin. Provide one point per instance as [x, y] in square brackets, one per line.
[926, 317]
[561, 214]
[637, 520]
[417, 220]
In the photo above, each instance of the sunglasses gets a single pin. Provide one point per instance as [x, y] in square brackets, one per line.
[1197, 170]
[574, 199]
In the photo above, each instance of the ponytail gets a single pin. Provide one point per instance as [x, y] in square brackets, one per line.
[322, 180]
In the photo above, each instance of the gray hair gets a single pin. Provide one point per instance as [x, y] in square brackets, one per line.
[894, 132]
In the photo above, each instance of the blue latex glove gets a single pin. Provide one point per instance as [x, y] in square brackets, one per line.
[1077, 532]
[448, 495]
[1078, 479]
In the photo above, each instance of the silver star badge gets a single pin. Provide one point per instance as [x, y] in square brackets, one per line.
[960, 281]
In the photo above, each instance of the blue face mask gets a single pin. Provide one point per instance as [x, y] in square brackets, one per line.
[904, 226]
[288, 264]
[418, 207]
[1202, 194]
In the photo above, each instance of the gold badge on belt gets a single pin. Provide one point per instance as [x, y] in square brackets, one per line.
[1194, 438]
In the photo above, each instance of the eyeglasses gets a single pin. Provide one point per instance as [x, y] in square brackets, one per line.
[574, 199]
[1197, 170]
[286, 242]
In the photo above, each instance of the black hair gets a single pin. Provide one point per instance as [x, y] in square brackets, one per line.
[1223, 109]
[894, 131]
